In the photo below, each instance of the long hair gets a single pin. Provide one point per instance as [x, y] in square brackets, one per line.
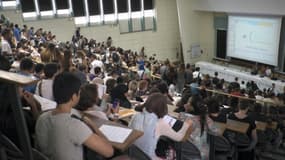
[200, 109]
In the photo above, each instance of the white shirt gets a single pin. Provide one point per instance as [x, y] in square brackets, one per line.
[196, 74]
[46, 89]
[6, 47]
[94, 64]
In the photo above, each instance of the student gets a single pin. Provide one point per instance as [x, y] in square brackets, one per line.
[151, 121]
[88, 102]
[214, 111]
[27, 69]
[59, 135]
[196, 111]
[242, 116]
[44, 87]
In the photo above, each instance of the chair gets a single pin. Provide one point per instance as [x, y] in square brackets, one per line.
[9, 151]
[187, 151]
[137, 154]
[220, 148]
[236, 134]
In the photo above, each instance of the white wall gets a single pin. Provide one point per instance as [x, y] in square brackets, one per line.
[164, 42]
[264, 7]
[195, 27]
[196, 20]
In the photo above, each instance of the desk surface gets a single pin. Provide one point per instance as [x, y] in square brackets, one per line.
[237, 126]
[135, 134]
[16, 78]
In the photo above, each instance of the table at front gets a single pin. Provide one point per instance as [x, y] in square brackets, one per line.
[229, 74]
[135, 134]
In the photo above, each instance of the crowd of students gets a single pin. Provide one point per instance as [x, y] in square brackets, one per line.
[70, 74]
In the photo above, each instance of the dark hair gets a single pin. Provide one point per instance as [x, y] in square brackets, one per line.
[243, 104]
[120, 80]
[39, 67]
[156, 103]
[200, 109]
[88, 97]
[64, 86]
[50, 69]
[26, 64]
[163, 88]
[4, 63]
[257, 107]
[213, 105]
[6, 31]
[110, 84]
[97, 70]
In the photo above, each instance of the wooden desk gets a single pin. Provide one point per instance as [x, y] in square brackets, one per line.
[221, 127]
[156, 76]
[125, 113]
[135, 134]
[171, 112]
[260, 125]
[237, 126]
[16, 78]
[272, 125]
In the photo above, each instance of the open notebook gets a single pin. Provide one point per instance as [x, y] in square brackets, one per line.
[115, 133]
[46, 104]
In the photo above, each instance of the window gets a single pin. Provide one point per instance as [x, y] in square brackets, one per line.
[122, 6]
[135, 5]
[45, 5]
[94, 7]
[28, 6]
[148, 4]
[61, 4]
[108, 6]
[78, 8]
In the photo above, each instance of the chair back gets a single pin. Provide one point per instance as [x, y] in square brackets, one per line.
[11, 150]
[137, 154]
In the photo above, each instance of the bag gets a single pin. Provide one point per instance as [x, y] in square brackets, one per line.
[165, 149]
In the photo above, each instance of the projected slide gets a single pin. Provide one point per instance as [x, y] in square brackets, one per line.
[254, 38]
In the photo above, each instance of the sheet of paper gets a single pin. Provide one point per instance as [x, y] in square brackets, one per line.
[46, 104]
[170, 120]
[114, 133]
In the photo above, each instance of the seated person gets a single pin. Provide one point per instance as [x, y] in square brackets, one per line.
[88, 102]
[61, 136]
[151, 121]
[27, 69]
[44, 87]
[214, 111]
[242, 116]
[196, 111]
[120, 93]
[133, 86]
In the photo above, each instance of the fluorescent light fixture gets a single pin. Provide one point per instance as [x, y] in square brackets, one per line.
[95, 19]
[80, 20]
[123, 16]
[30, 15]
[46, 13]
[109, 17]
[149, 13]
[136, 14]
[9, 4]
[63, 12]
